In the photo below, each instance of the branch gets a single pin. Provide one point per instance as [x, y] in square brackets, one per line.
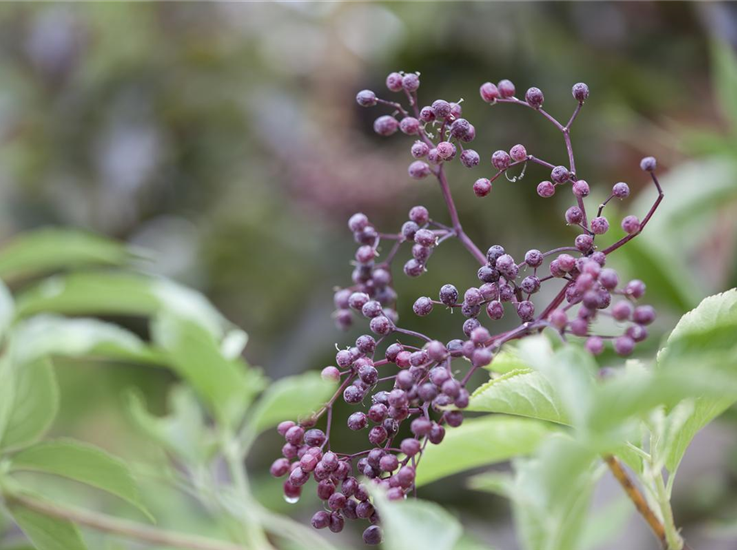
[637, 499]
[123, 528]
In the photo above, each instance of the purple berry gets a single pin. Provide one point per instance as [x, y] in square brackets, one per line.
[518, 153]
[501, 160]
[419, 215]
[372, 535]
[545, 189]
[489, 92]
[419, 149]
[621, 190]
[448, 295]
[441, 108]
[470, 158]
[624, 345]
[584, 242]
[422, 306]
[635, 289]
[574, 215]
[411, 82]
[648, 164]
[599, 225]
[418, 170]
[534, 98]
[643, 315]
[526, 310]
[366, 98]
[506, 88]
[482, 187]
[534, 258]
[580, 92]
[594, 345]
[446, 150]
[560, 174]
[409, 125]
[394, 82]
[581, 188]
[631, 225]
[386, 125]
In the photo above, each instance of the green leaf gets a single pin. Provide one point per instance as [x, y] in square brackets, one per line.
[507, 360]
[709, 327]
[7, 309]
[606, 523]
[48, 250]
[48, 335]
[47, 533]
[416, 524]
[521, 392]
[7, 393]
[35, 404]
[724, 73]
[225, 385]
[551, 494]
[290, 398]
[110, 293]
[496, 483]
[478, 442]
[182, 432]
[83, 463]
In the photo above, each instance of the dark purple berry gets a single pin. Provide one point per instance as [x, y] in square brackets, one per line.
[560, 174]
[526, 310]
[482, 187]
[624, 345]
[422, 306]
[545, 189]
[321, 520]
[372, 535]
[448, 295]
[534, 98]
[530, 284]
[470, 158]
[643, 315]
[501, 160]
[495, 310]
[441, 108]
[584, 242]
[377, 435]
[534, 258]
[580, 92]
[489, 92]
[599, 225]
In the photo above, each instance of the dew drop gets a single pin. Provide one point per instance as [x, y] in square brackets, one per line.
[291, 500]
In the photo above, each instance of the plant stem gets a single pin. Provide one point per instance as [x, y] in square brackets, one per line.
[638, 500]
[675, 542]
[123, 528]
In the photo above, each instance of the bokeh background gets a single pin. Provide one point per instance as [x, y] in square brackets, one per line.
[225, 138]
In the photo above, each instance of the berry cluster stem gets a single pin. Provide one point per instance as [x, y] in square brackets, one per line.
[465, 239]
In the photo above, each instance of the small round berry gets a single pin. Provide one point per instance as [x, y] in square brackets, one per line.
[389, 463]
[386, 125]
[283, 427]
[470, 325]
[357, 421]
[280, 467]
[637, 332]
[455, 110]
[534, 97]
[584, 242]
[448, 295]
[340, 299]
[622, 311]
[330, 374]
[530, 284]
[560, 174]
[631, 225]
[495, 310]
[353, 394]
[506, 88]
[368, 374]
[413, 268]
[446, 150]
[574, 215]
[344, 358]
[377, 435]
[501, 160]
[608, 278]
[436, 351]
[409, 229]
[470, 135]
[419, 149]
[489, 92]
[394, 82]
[425, 237]
[441, 108]
[418, 170]
[298, 477]
[421, 426]
[581, 188]
[436, 435]
[459, 128]
[479, 335]
[534, 258]
[648, 164]
[621, 190]
[470, 158]
[453, 418]
[490, 291]
[526, 310]
[336, 522]
[358, 222]
[579, 327]
[518, 153]
[372, 535]
[294, 435]
[409, 125]
[566, 262]
[546, 189]
[419, 215]
[411, 82]
[422, 306]
[635, 289]
[321, 520]
[365, 254]
[594, 345]
[472, 296]
[599, 225]
[482, 187]
[480, 358]
[487, 274]
[377, 413]
[427, 114]
[504, 263]
[366, 98]
[314, 437]
[580, 92]
[410, 446]
[643, 315]
[380, 325]
[624, 345]
[558, 318]
[433, 157]
[494, 253]
[421, 253]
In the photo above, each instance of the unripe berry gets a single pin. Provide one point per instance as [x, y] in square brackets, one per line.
[489, 92]
[581, 188]
[448, 295]
[501, 160]
[441, 108]
[386, 125]
[422, 306]
[506, 88]
[418, 170]
[624, 345]
[534, 97]
[411, 82]
[470, 158]
[621, 190]
[545, 189]
[482, 187]
[648, 164]
[580, 92]
[599, 225]
[394, 82]
[574, 215]
[518, 153]
[366, 98]
[330, 374]
[560, 174]
[631, 225]
[409, 125]
[446, 150]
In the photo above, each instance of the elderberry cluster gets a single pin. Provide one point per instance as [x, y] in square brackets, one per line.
[419, 391]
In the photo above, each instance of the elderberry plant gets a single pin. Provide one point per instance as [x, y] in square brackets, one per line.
[423, 382]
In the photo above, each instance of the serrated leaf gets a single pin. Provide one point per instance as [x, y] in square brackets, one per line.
[48, 250]
[47, 533]
[708, 328]
[224, 384]
[83, 463]
[290, 398]
[507, 360]
[521, 392]
[48, 335]
[182, 431]
[479, 442]
[416, 524]
[35, 404]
